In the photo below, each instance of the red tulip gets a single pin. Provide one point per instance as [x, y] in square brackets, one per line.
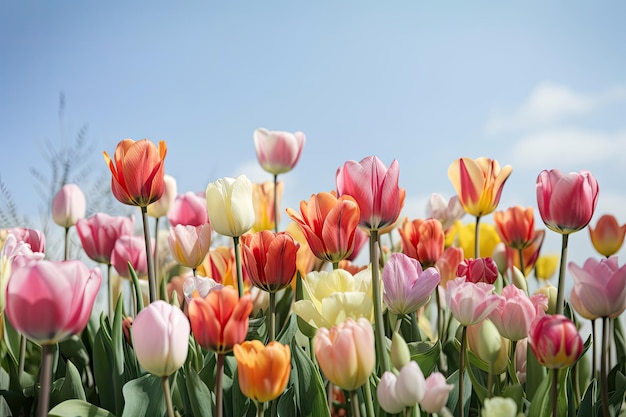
[478, 270]
[555, 341]
[270, 259]
[422, 240]
[99, 233]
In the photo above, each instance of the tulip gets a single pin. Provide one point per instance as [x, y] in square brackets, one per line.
[263, 200]
[190, 244]
[329, 225]
[202, 285]
[600, 286]
[478, 270]
[220, 320]
[219, 264]
[521, 358]
[99, 232]
[422, 240]
[516, 311]
[566, 202]
[549, 291]
[13, 251]
[608, 236]
[137, 170]
[448, 264]
[436, 393]
[516, 226]
[499, 407]
[465, 236]
[278, 152]
[345, 353]
[545, 266]
[406, 286]
[50, 301]
[469, 302]
[162, 206]
[406, 390]
[129, 249]
[386, 393]
[530, 254]
[361, 237]
[161, 338]
[484, 340]
[400, 354]
[188, 209]
[555, 341]
[263, 371]
[446, 212]
[68, 205]
[478, 183]
[306, 260]
[34, 238]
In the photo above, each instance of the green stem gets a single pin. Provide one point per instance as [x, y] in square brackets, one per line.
[312, 353]
[110, 291]
[415, 327]
[45, 380]
[238, 265]
[604, 381]
[260, 409]
[369, 400]
[66, 254]
[490, 381]
[149, 258]
[593, 349]
[477, 239]
[156, 253]
[354, 403]
[554, 391]
[379, 329]
[396, 327]
[560, 295]
[165, 384]
[22, 359]
[335, 266]
[219, 377]
[462, 369]
[272, 322]
[276, 203]
[521, 262]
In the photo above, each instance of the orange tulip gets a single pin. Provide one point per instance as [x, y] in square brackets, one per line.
[219, 264]
[448, 264]
[478, 183]
[270, 259]
[263, 200]
[516, 226]
[329, 225]
[608, 236]
[137, 171]
[422, 240]
[220, 320]
[530, 253]
[263, 371]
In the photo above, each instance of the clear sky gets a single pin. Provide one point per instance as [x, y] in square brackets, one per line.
[537, 85]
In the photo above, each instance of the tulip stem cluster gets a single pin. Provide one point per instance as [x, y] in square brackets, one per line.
[560, 297]
[149, 258]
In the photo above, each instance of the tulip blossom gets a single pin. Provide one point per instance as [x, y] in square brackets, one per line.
[465, 236]
[270, 259]
[188, 209]
[162, 206]
[447, 212]
[329, 225]
[137, 169]
[99, 233]
[608, 235]
[345, 353]
[361, 237]
[331, 297]
[395, 393]
[436, 393]
[478, 183]
[555, 341]
[375, 189]
[422, 240]
[263, 371]
[516, 226]
[545, 266]
[220, 320]
[34, 238]
[129, 249]
[306, 260]
[499, 407]
[406, 286]
[448, 264]
[478, 270]
[68, 205]
[566, 202]
[600, 286]
[161, 338]
[13, 251]
[189, 244]
[278, 152]
[50, 301]
[530, 254]
[230, 205]
[516, 311]
[263, 200]
[550, 292]
[219, 264]
[470, 302]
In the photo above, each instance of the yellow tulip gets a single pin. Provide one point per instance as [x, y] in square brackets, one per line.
[464, 236]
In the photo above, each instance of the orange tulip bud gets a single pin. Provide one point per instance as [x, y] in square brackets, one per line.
[608, 236]
[263, 371]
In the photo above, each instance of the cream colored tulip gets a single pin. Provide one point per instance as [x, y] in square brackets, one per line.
[230, 205]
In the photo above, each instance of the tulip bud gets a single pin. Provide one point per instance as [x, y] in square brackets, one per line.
[519, 280]
[499, 407]
[436, 394]
[478, 270]
[551, 292]
[485, 341]
[68, 205]
[499, 257]
[263, 371]
[555, 341]
[400, 354]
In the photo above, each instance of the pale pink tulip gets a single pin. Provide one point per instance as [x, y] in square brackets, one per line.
[129, 249]
[188, 209]
[99, 233]
[34, 238]
[406, 286]
[13, 252]
[189, 245]
[516, 311]
[395, 393]
[469, 302]
[278, 152]
[521, 359]
[447, 212]
[51, 301]
[436, 394]
[68, 205]
[600, 286]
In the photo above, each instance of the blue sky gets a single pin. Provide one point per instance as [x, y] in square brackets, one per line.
[537, 85]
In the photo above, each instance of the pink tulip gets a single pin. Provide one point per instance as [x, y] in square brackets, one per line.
[406, 286]
[478, 270]
[521, 356]
[68, 205]
[395, 393]
[189, 245]
[278, 152]
[516, 311]
[555, 341]
[13, 252]
[129, 249]
[188, 209]
[51, 301]
[600, 286]
[436, 394]
[360, 239]
[469, 302]
[161, 338]
[566, 202]
[34, 238]
[447, 212]
[375, 189]
[162, 206]
[99, 232]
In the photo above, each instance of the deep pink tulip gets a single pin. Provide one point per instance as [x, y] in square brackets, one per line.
[99, 232]
[470, 303]
[130, 249]
[50, 301]
[600, 286]
[516, 311]
[375, 189]
[188, 209]
[566, 202]
[478, 270]
[189, 245]
[278, 152]
[406, 286]
[68, 205]
[35, 238]
[555, 341]
[436, 395]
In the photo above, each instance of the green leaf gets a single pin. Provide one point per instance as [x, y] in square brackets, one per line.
[288, 332]
[200, 398]
[257, 330]
[73, 408]
[535, 374]
[426, 354]
[453, 397]
[310, 393]
[144, 397]
[71, 388]
[287, 404]
[102, 358]
[516, 393]
[620, 341]
[587, 406]
[138, 295]
[541, 405]
[12, 339]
